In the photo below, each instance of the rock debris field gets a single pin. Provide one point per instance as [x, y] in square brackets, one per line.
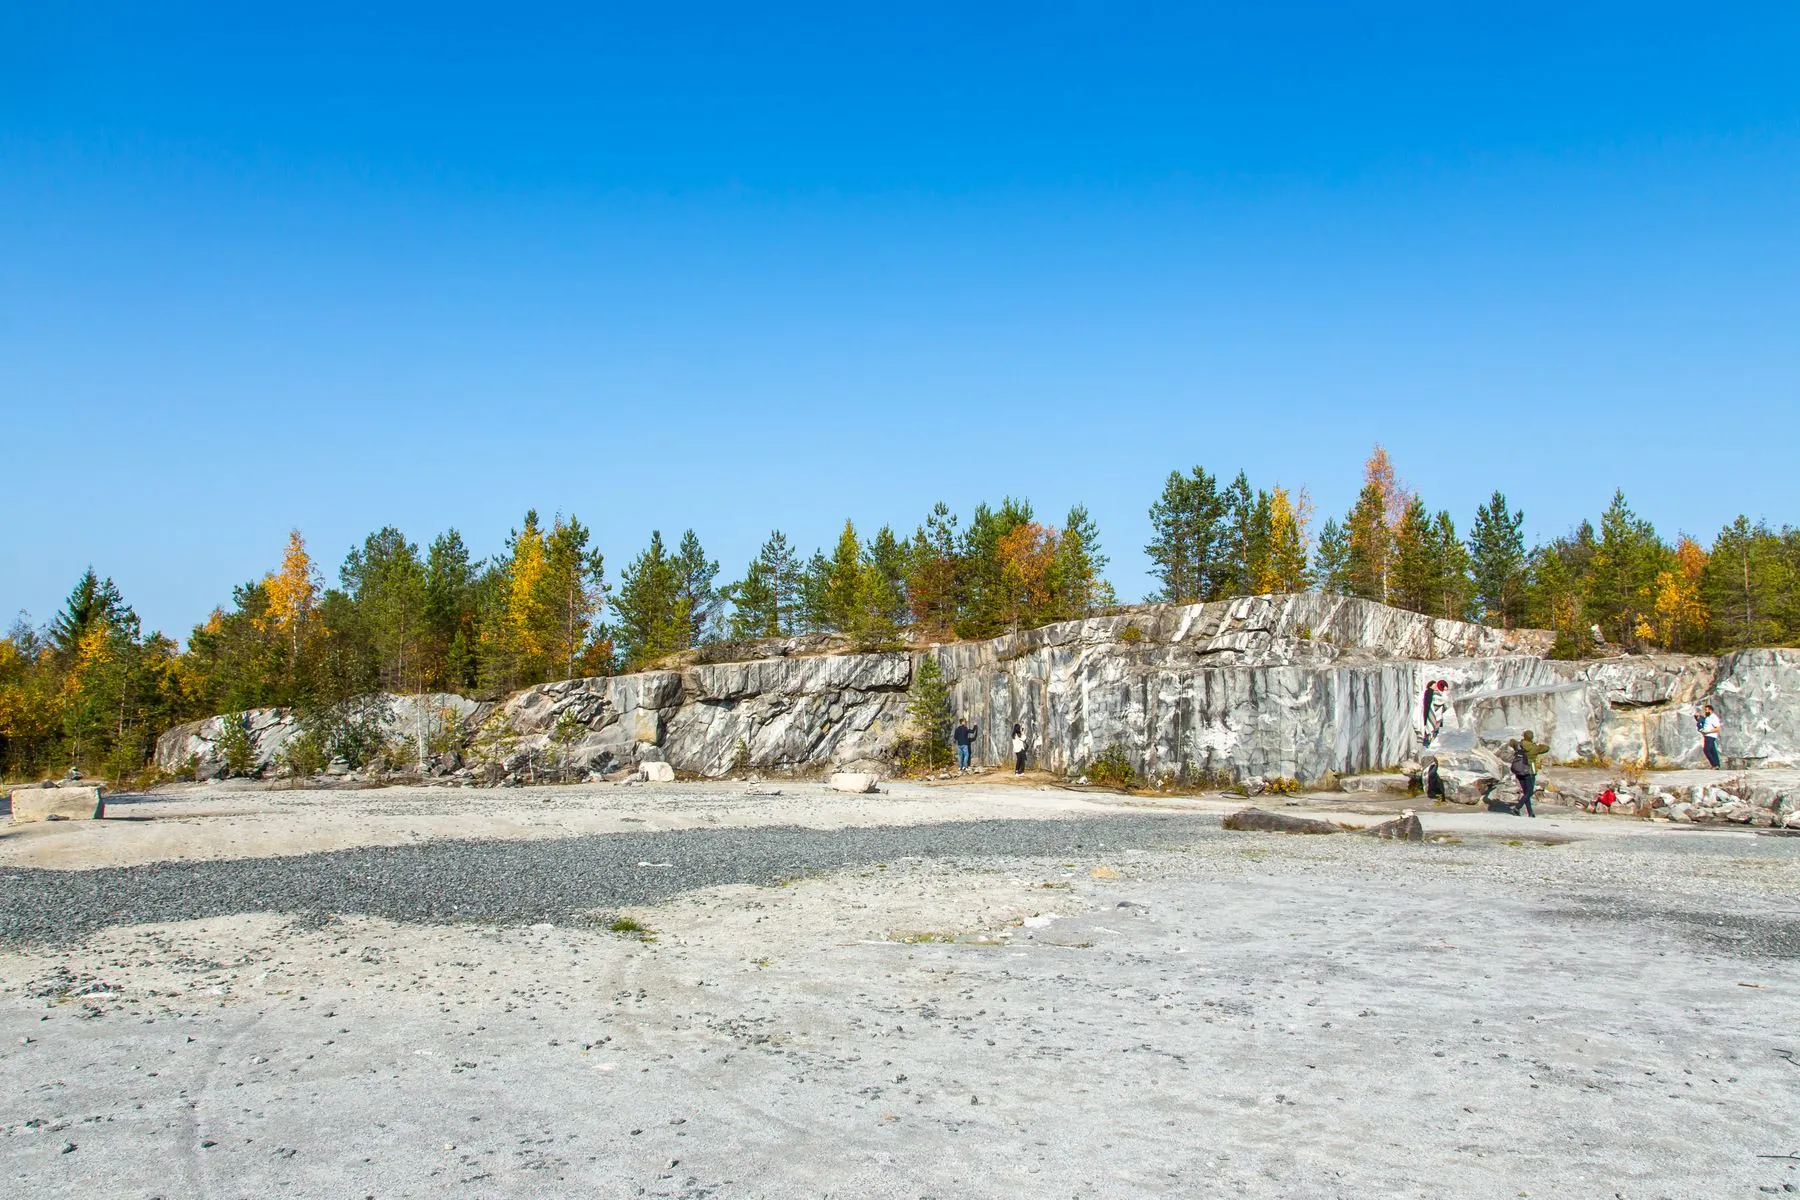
[963, 991]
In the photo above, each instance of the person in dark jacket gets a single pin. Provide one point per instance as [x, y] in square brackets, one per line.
[964, 737]
[1018, 749]
[1526, 752]
[1434, 782]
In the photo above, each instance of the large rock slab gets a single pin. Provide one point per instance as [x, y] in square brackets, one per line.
[63, 803]
[1256, 820]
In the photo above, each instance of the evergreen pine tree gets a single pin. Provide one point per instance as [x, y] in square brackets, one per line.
[653, 617]
[1497, 561]
[1414, 578]
[1189, 525]
[1078, 587]
[1450, 571]
[1331, 559]
[1369, 545]
[697, 597]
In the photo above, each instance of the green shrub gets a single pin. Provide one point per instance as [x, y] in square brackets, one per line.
[1131, 635]
[1112, 768]
[234, 745]
[304, 754]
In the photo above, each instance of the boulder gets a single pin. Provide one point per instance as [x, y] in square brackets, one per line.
[57, 804]
[1405, 828]
[657, 772]
[858, 782]
[1256, 820]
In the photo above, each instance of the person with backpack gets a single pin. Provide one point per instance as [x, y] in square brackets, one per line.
[1018, 749]
[1708, 722]
[1526, 752]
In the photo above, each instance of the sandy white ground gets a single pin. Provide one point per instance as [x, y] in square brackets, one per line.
[238, 820]
[1260, 1015]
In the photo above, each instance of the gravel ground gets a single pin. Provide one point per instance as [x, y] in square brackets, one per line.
[1121, 1006]
[524, 882]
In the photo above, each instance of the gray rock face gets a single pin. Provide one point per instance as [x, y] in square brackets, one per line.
[402, 719]
[1294, 686]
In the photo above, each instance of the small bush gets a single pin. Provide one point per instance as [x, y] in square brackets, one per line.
[235, 747]
[304, 755]
[1281, 785]
[1131, 635]
[740, 757]
[1112, 768]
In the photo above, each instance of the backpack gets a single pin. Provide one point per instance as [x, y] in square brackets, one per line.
[1521, 763]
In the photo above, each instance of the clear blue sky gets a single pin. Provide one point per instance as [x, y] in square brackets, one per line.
[738, 267]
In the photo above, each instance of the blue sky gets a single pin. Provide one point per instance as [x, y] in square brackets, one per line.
[688, 265]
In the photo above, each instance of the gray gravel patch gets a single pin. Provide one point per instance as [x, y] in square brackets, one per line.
[513, 883]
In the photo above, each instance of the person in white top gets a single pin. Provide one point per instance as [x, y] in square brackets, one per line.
[1018, 749]
[1709, 735]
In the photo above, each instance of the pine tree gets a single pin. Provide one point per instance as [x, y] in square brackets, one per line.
[1414, 577]
[1621, 578]
[1369, 545]
[1331, 559]
[754, 613]
[1451, 566]
[815, 589]
[451, 611]
[1497, 561]
[385, 581]
[843, 587]
[984, 595]
[1189, 521]
[699, 598]
[92, 603]
[1244, 547]
[654, 617]
[781, 570]
[928, 711]
[1077, 586]
[1746, 581]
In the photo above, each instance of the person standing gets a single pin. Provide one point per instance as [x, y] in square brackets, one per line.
[1018, 749]
[1526, 752]
[1709, 736]
[1436, 704]
[964, 737]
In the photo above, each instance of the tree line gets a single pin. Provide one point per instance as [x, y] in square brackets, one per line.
[1615, 584]
[92, 688]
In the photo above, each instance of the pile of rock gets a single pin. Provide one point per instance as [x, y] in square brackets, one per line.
[1740, 802]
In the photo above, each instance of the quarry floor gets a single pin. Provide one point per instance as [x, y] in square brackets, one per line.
[982, 989]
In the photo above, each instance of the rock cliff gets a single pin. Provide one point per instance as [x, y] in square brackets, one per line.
[1289, 685]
